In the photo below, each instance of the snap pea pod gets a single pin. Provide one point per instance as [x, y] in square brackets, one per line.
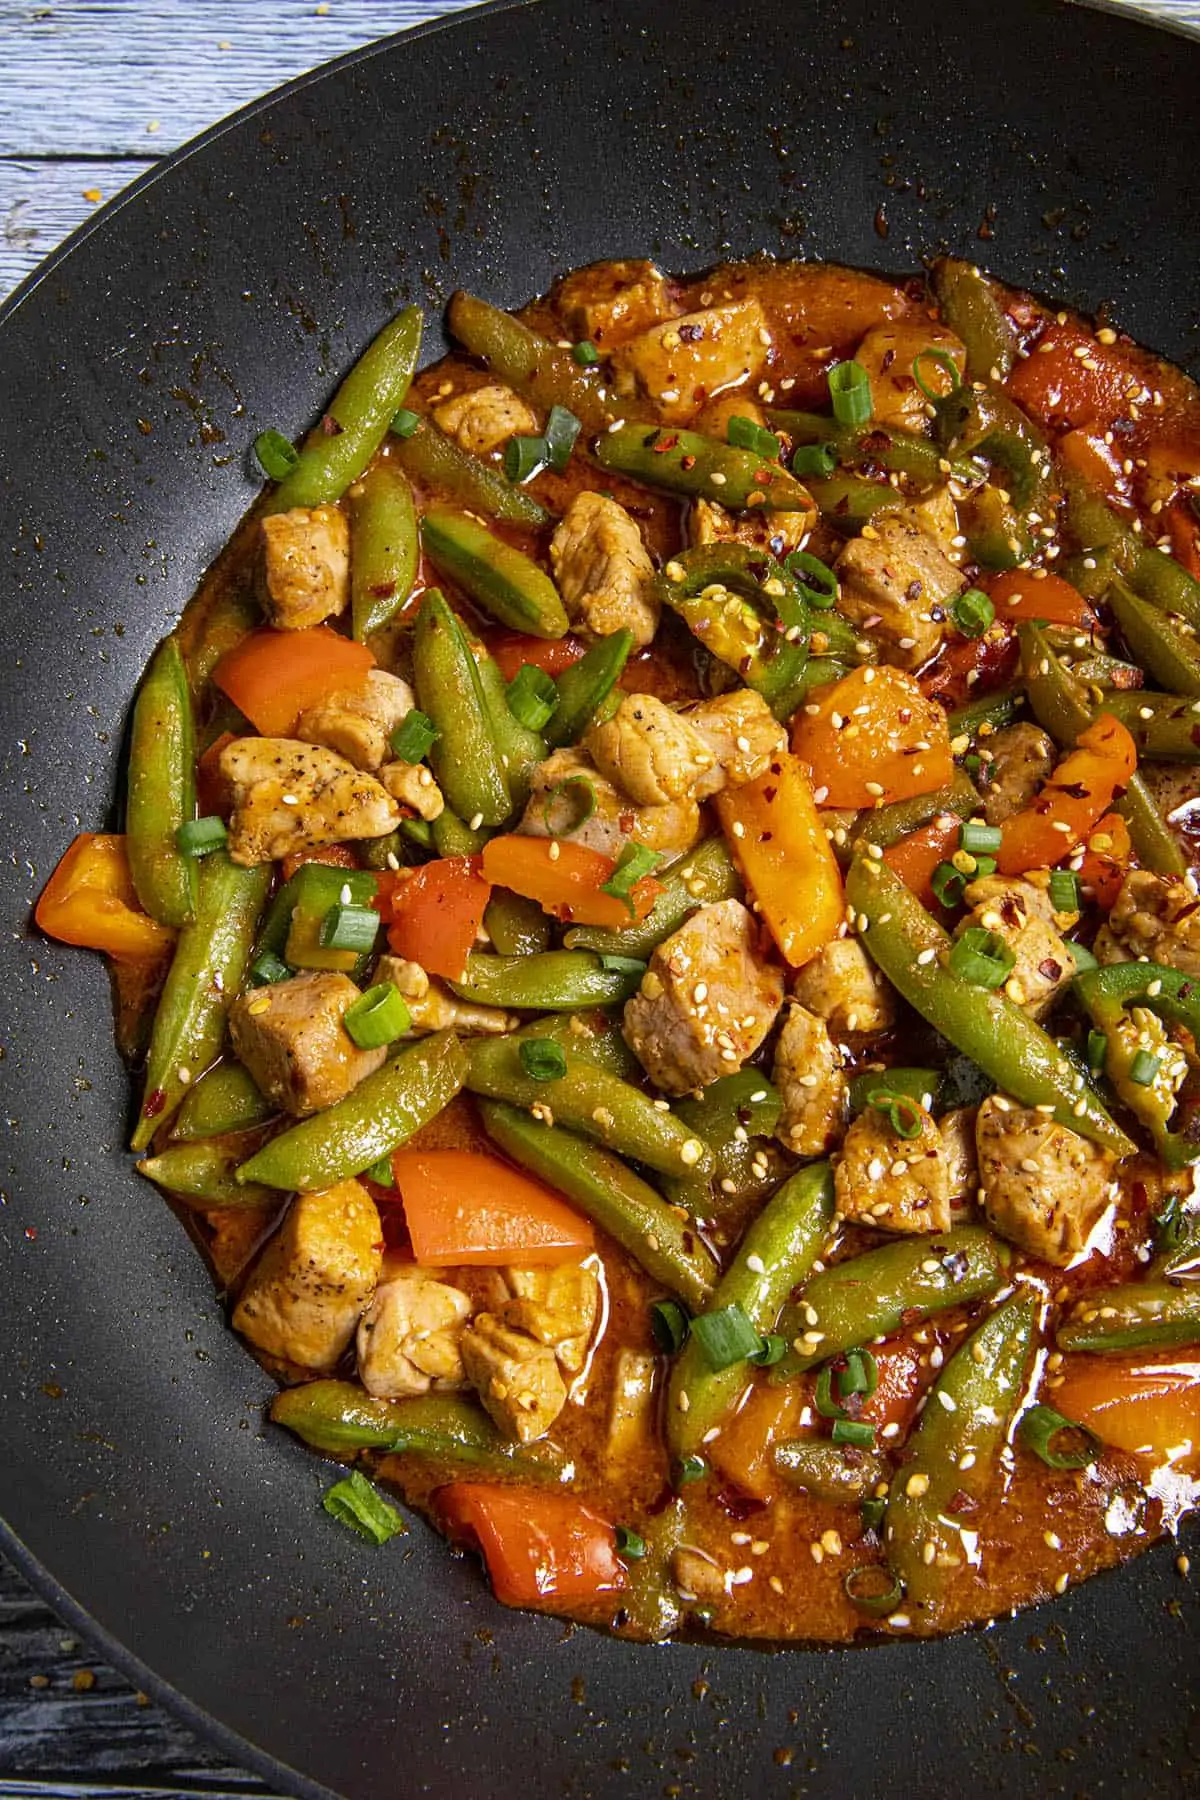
[516, 926]
[922, 1085]
[585, 686]
[411, 843]
[340, 1419]
[535, 367]
[1171, 657]
[521, 750]
[590, 1101]
[874, 1294]
[971, 422]
[699, 879]
[465, 755]
[362, 409]
[1059, 705]
[824, 1470]
[589, 1035]
[452, 838]
[376, 1117]
[848, 502]
[210, 960]
[889, 824]
[777, 1252]
[971, 308]
[161, 791]
[225, 1099]
[899, 452]
[204, 1173]
[897, 932]
[1151, 573]
[1108, 994]
[953, 1451]
[651, 1604]
[1177, 1244]
[1107, 672]
[385, 547]
[1140, 1315]
[748, 611]
[503, 582]
[981, 717]
[555, 981]
[436, 461]
[997, 535]
[612, 1196]
[701, 468]
[225, 623]
[737, 1115]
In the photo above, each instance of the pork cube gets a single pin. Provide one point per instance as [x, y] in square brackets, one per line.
[312, 1283]
[304, 572]
[291, 1037]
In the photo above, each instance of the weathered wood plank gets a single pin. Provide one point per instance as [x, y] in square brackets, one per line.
[42, 202]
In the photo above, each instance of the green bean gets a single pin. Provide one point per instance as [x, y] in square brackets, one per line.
[521, 750]
[204, 1173]
[502, 582]
[843, 1476]
[555, 981]
[587, 1099]
[465, 756]
[888, 824]
[777, 1252]
[377, 1116]
[953, 1451]
[161, 793]
[436, 461]
[922, 1085]
[531, 364]
[971, 308]
[225, 1099]
[701, 468]
[210, 960]
[516, 925]
[874, 1294]
[848, 502]
[340, 1419]
[699, 879]
[385, 548]
[1140, 1315]
[590, 1035]
[737, 1115]
[585, 685]
[899, 452]
[1166, 652]
[994, 711]
[362, 409]
[612, 1196]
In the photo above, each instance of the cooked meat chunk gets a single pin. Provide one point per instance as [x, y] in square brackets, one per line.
[1043, 1187]
[706, 1002]
[358, 722]
[887, 353]
[517, 1378]
[433, 1007]
[290, 1036]
[779, 533]
[1019, 912]
[631, 1407]
[670, 829]
[1018, 761]
[936, 514]
[556, 1306]
[651, 752]
[683, 362]
[898, 584]
[304, 573]
[1155, 917]
[485, 418]
[312, 1283]
[408, 1340]
[842, 986]
[289, 796]
[412, 784]
[743, 734]
[891, 1182]
[603, 569]
[962, 1164]
[609, 302]
[808, 1073]
[696, 1574]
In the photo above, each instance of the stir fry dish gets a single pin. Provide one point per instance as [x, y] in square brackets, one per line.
[656, 913]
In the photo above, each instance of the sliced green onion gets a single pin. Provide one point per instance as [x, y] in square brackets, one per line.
[382, 1173]
[560, 791]
[972, 763]
[277, 455]
[947, 884]
[860, 1375]
[379, 1017]
[746, 435]
[634, 863]
[630, 1547]
[984, 865]
[532, 697]
[873, 1589]
[976, 837]
[414, 736]
[1039, 1427]
[690, 1468]
[854, 1431]
[268, 968]
[348, 928]
[872, 1513]
[1144, 1068]
[814, 459]
[850, 393]
[774, 1349]
[562, 428]
[827, 1406]
[726, 1336]
[404, 423]
[542, 1059]
[585, 353]
[669, 1321]
[901, 1111]
[1097, 1051]
[1081, 956]
[816, 579]
[972, 612]
[354, 1502]
[196, 837]
[982, 958]
[945, 361]
[525, 457]
[1064, 890]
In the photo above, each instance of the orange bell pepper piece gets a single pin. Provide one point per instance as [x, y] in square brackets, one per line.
[274, 676]
[776, 838]
[463, 1206]
[1020, 594]
[1146, 1405]
[1073, 800]
[872, 737]
[1106, 860]
[433, 913]
[565, 879]
[915, 856]
[1073, 379]
[541, 1549]
[511, 649]
[90, 900]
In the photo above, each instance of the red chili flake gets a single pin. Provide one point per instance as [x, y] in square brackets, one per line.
[874, 443]
[881, 222]
[661, 446]
[1050, 969]
[764, 837]
[912, 1315]
[690, 334]
[154, 1104]
[383, 590]
[31, 1232]
[330, 426]
[1076, 790]
[770, 793]
[1118, 793]
[738, 1506]
[764, 477]
[626, 822]
[962, 1503]
[687, 462]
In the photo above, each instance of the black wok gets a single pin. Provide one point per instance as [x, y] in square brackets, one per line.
[223, 294]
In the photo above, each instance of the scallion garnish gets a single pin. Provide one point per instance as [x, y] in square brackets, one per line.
[1081, 956]
[585, 353]
[854, 1431]
[850, 393]
[690, 1468]
[562, 428]
[1097, 1051]
[380, 1016]
[816, 579]
[669, 1321]
[944, 361]
[525, 457]
[1064, 890]
[726, 1336]
[947, 884]
[873, 1589]
[354, 1502]
[860, 1375]
[622, 965]
[404, 423]
[746, 435]
[1144, 1068]
[268, 968]
[532, 697]
[814, 459]
[827, 1406]
[574, 788]
[542, 1059]
[277, 455]
[633, 865]
[973, 611]
[630, 1547]
[901, 1111]
[977, 838]
[773, 1350]
[382, 1173]
[982, 958]
[1039, 1427]
[414, 736]
[197, 837]
[348, 928]
[872, 1513]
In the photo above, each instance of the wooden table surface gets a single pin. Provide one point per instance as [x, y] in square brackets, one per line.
[91, 93]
